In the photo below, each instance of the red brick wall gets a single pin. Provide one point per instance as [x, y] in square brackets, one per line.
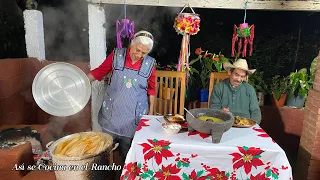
[308, 164]
[16, 103]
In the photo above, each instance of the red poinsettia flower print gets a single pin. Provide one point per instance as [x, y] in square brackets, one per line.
[203, 135]
[259, 177]
[262, 133]
[194, 155]
[132, 171]
[142, 123]
[194, 176]
[185, 160]
[247, 157]
[275, 171]
[157, 149]
[168, 173]
[216, 174]
[233, 176]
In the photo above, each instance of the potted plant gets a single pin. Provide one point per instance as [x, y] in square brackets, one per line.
[256, 80]
[313, 68]
[278, 89]
[298, 88]
[209, 63]
[192, 74]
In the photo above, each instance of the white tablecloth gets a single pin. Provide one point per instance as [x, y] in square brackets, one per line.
[243, 153]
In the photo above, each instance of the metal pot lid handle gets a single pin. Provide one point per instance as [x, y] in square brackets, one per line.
[114, 148]
[49, 144]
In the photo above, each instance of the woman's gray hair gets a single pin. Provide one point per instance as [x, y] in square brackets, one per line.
[143, 37]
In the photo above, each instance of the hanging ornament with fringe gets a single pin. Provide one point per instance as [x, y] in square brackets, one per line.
[125, 29]
[186, 24]
[244, 34]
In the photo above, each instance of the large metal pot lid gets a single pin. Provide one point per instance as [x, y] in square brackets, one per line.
[61, 89]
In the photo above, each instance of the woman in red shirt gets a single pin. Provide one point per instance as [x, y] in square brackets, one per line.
[131, 91]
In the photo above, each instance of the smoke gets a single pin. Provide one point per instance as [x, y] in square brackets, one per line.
[66, 27]
[152, 19]
[66, 31]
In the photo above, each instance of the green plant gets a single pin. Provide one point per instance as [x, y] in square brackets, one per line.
[158, 66]
[299, 83]
[279, 86]
[169, 67]
[209, 62]
[192, 73]
[257, 81]
[313, 68]
[206, 69]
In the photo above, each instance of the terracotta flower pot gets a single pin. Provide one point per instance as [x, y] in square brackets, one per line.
[280, 102]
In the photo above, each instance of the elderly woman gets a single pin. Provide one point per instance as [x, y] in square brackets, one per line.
[126, 97]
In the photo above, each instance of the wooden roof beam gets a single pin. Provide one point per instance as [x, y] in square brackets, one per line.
[289, 5]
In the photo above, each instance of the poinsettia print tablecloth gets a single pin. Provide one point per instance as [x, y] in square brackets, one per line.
[242, 154]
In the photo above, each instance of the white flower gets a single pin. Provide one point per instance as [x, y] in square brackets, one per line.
[129, 84]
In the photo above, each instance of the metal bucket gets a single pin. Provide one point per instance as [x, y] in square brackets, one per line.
[90, 167]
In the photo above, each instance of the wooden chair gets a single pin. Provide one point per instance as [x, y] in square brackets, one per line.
[216, 77]
[170, 100]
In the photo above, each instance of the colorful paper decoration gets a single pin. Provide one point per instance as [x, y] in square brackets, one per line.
[186, 24]
[244, 34]
[127, 29]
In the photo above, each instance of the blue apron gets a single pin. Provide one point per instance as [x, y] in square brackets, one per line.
[125, 100]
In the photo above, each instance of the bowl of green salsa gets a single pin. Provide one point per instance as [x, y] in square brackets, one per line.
[209, 121]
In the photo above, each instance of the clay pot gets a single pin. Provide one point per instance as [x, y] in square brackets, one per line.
[280, 102]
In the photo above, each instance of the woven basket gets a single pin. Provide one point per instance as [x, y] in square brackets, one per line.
[84, 163]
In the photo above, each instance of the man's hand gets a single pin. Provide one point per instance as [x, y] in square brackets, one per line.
[226, 110]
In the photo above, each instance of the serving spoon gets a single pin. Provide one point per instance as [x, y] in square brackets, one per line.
[189, 112]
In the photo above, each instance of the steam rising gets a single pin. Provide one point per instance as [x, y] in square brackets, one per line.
[66, 39]
[66, 26]
[144, 18]
[65, 31]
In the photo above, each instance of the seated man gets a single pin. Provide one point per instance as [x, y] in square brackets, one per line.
[235, 95]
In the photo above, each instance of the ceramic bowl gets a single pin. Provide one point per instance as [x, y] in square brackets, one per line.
[171, 128]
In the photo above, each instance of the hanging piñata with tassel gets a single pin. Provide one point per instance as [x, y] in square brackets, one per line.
[244, 34]
[127, 29]
[186, 24]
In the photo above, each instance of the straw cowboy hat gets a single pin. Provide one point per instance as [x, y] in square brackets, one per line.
[239, 64]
